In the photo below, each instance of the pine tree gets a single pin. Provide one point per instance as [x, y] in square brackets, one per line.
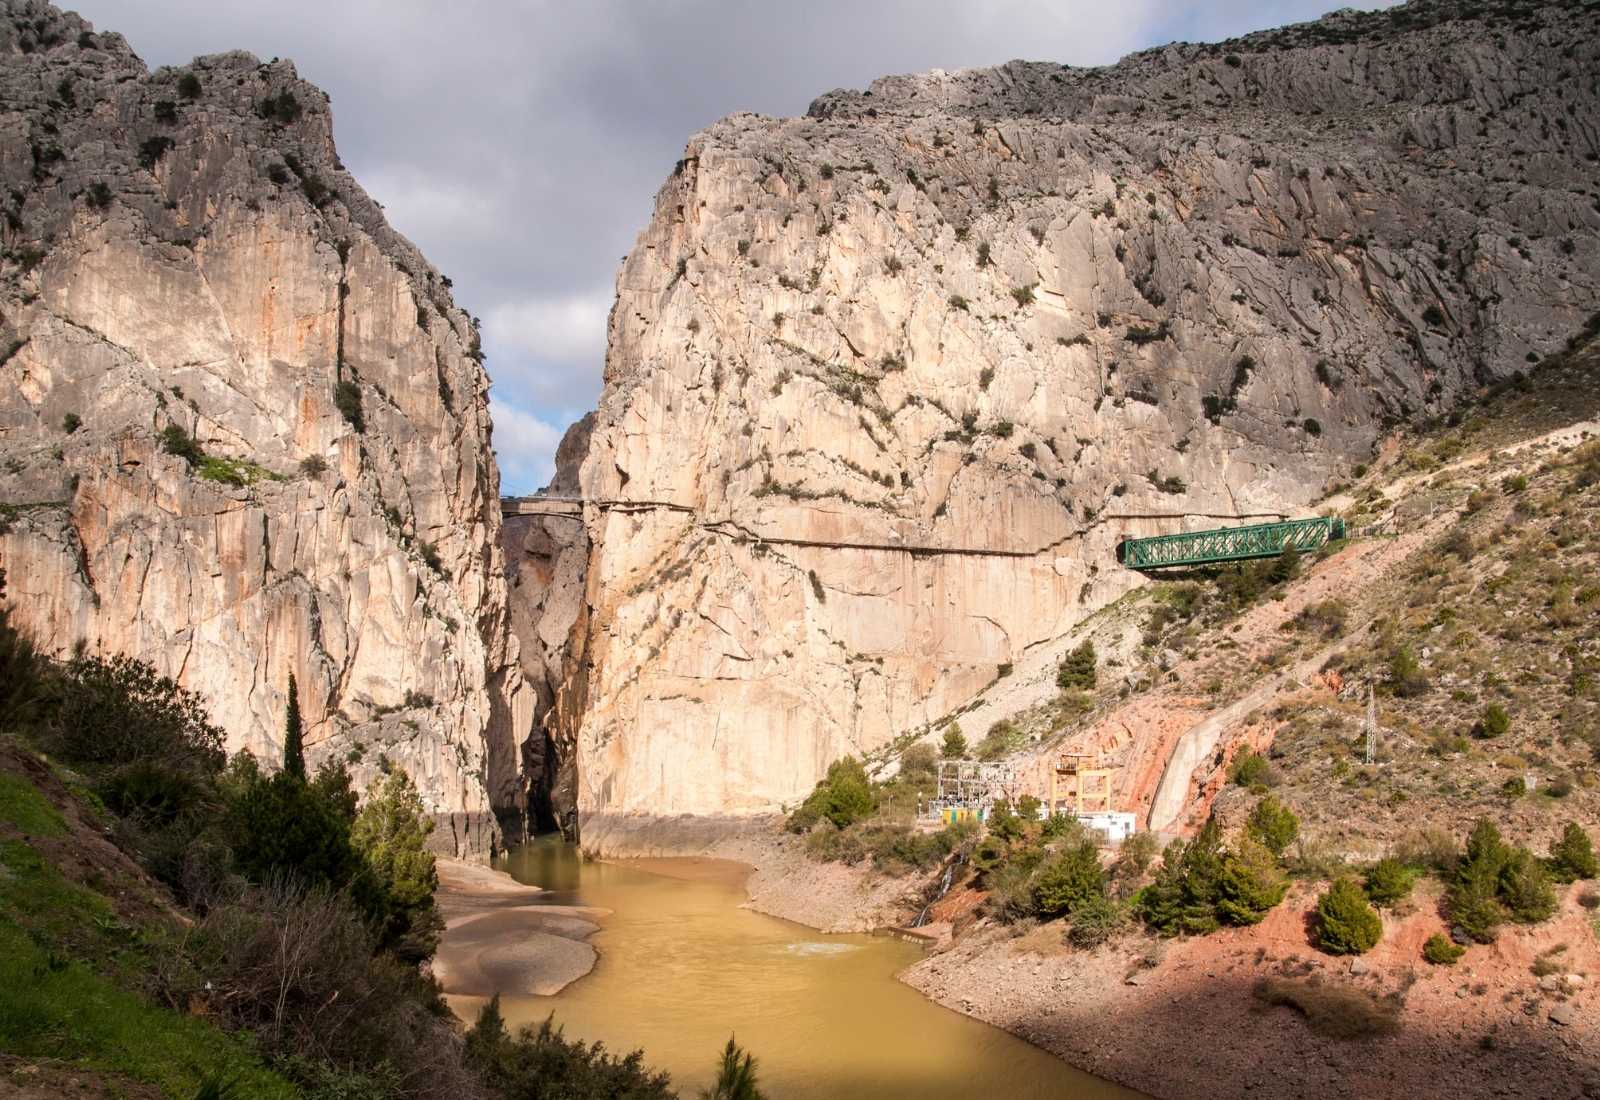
[1251, 883]
[390, 835]
[1273, 824]
[294, 753]
[955, 742]
[1346, 923]
[1572, 857]
[736, 1076]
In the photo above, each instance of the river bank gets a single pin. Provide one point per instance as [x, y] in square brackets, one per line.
[1215, 1015]
[503, 937]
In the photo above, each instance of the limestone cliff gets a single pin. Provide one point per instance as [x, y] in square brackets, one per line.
[187, 260]
[886, 384]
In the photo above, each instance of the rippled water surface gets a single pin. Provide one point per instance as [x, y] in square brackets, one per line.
[681, 966]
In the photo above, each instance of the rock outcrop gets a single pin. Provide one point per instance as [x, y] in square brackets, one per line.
[244, 426]
[886, 384]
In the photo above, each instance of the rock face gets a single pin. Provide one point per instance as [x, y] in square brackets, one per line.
[886, 384]
[186, 258]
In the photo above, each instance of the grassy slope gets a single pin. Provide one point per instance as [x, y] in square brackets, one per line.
[79, 928]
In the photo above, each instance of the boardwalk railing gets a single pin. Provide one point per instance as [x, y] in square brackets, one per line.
[1261, 540]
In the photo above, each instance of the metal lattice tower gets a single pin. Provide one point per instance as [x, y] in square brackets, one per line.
[1261, 540]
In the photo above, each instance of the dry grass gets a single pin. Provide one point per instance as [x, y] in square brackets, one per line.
[1337, 1011]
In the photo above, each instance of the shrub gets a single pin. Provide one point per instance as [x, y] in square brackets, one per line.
[1249, 769]
[282, 108]
[954, 746]
[71, 423]
[1068, 879]
[1077, 671]
[1388, 882]
[390, 835]
[313, 466]
[1184, 895]
[1313, 426]
[919, 764]
[99, 195]
[189, 86]
[983, 254]
[1345, 923]
[121, 711]
[1433, 315]
[1251, 883]
[176, 441]
[1023, 295]
[347, 399]
[1516, 483]
[1096, 920]
[1525, 888]
[843, 797]
[1002, 739]
[543, 1062]
[1440, 951]
[1273, 824]
[1405, 674]
[1136, 855]
[1572, 857]
[1494, 723]
[281, 826]
[152, 150]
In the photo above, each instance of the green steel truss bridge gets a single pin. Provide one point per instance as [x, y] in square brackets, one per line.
[1224, 544]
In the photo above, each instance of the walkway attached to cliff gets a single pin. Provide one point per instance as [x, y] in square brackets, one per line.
[572, 506]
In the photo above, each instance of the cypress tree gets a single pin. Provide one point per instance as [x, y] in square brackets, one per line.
[294, 753]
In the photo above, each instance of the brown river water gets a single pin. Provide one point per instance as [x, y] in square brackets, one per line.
[682, 967]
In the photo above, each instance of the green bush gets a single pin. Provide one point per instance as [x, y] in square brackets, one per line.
[119, 711]
[1184, 895]
[1525, 888]
[1494, 723]
[542, 1063]
[176, 441]
[1273, 824]
[281, 826]
[1249, 769]
[1572, 857]
[152, 150]
[919, 765]
[1405, 674]
[1440, 951]
[313, 466]
[1077, 671]
[1095, 921]
[189, 86]
[843, 797]
[347, 399]
[71, 423]
[1251, 883]
[1345, 923]
[1002, 739]
[390, 835]
[955, 742]
[1388, 882]
[1068, 879]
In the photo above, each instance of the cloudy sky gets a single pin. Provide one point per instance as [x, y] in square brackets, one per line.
[520, 142]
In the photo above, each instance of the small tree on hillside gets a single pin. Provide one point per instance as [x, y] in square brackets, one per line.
[1572, 857]
[294, 754]
[1273, 824]
[955, 742]
[1251, 883]
[390, 835]
[1078, 669]
[1070, 878]
[1346, 924]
